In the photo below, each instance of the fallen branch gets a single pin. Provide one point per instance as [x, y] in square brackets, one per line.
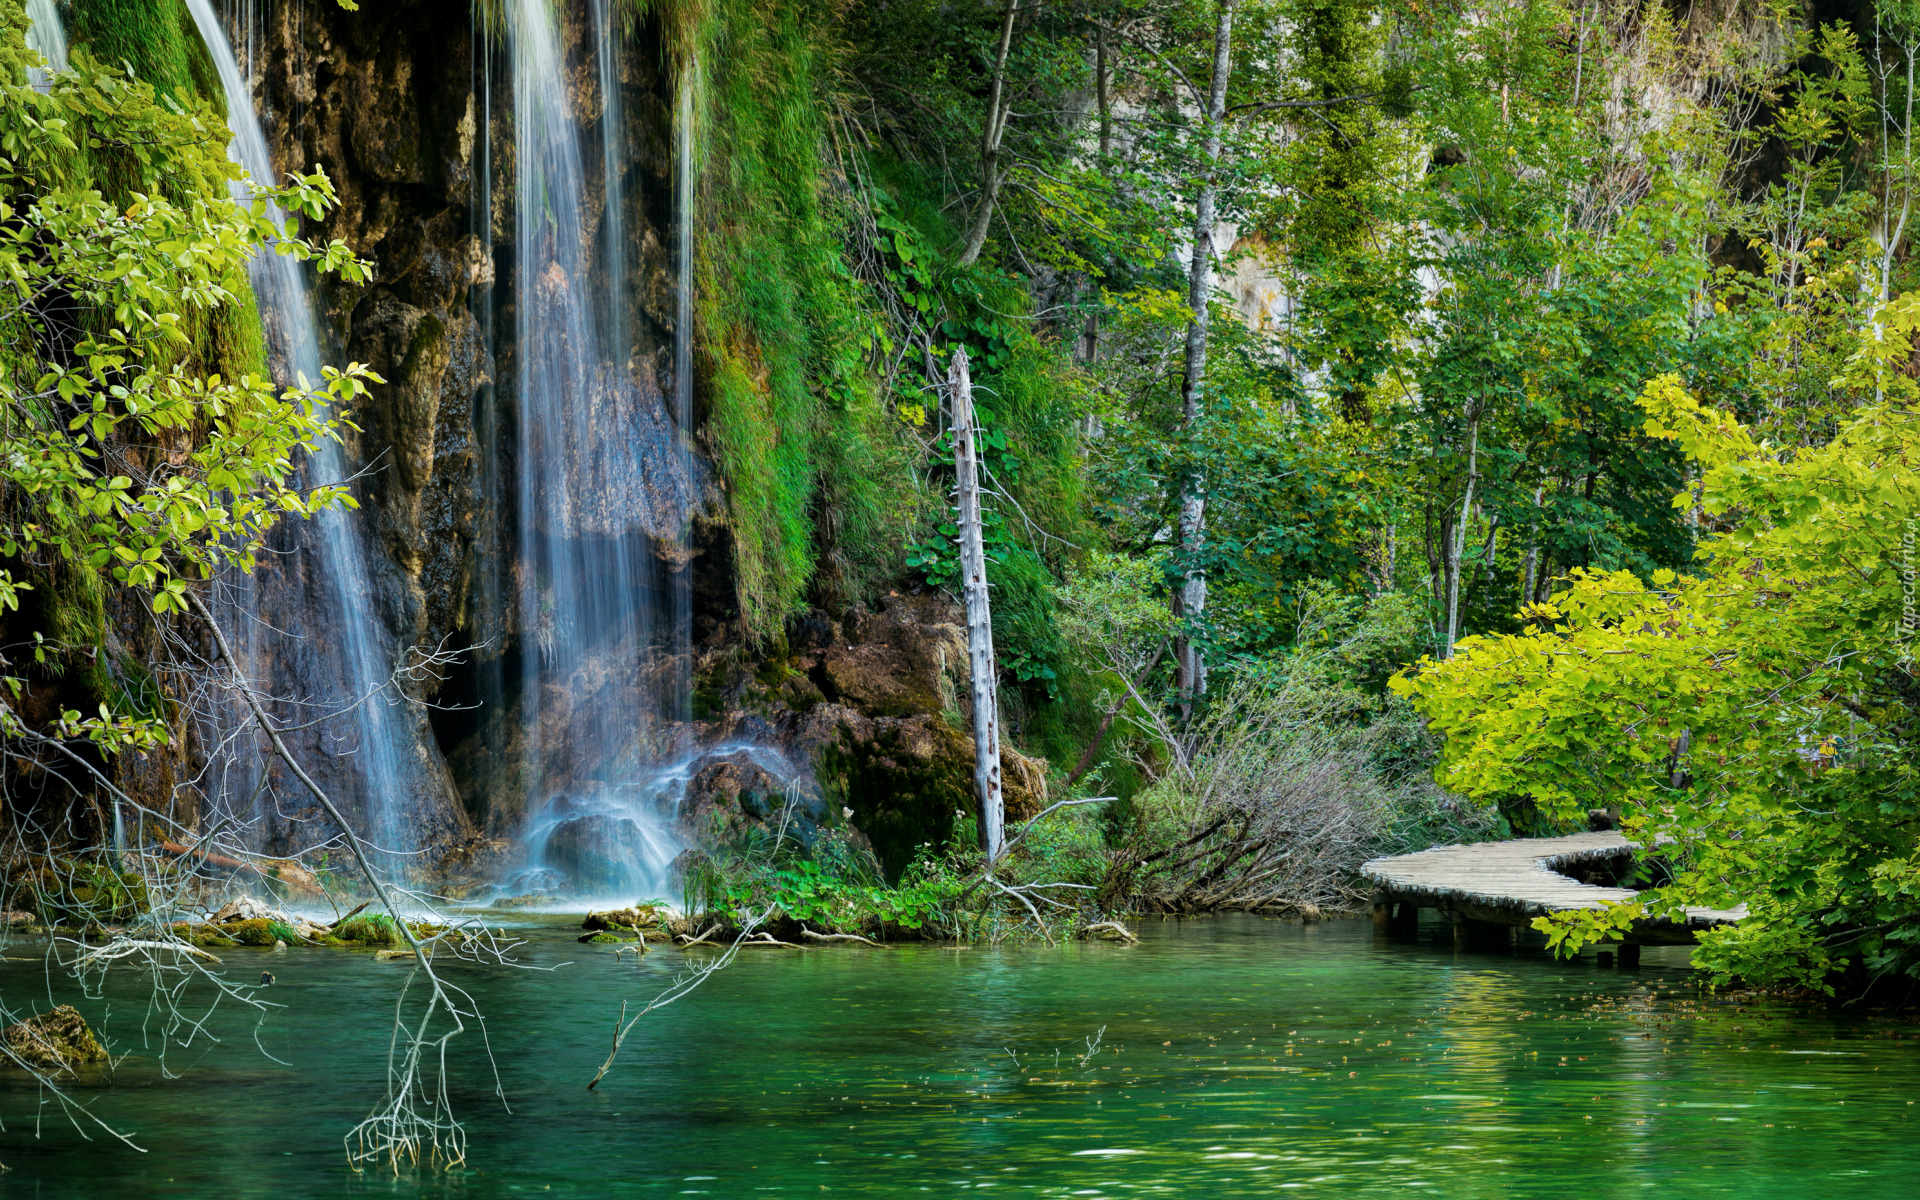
[210, 858]
[121, 948]
[679, 989]
[810, 935]
[1116, 929]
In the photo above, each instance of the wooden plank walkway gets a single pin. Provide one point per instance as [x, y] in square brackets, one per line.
[1511, 883]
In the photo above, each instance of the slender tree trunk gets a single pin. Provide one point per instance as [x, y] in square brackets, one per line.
[1493, 551]
[1457, 544]
[1106, 722]
[1528, 594]
[1100, 77]
[973, 570]
[1190, 602]
[999, 104]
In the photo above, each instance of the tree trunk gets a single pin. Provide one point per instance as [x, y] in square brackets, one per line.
[1190, 602]
[1457, 544]
[973, 571]
[999, 105]
[1531, 587]
[1106, 722]
[1100, 76]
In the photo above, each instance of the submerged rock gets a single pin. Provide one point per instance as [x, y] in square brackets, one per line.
[59, 1041]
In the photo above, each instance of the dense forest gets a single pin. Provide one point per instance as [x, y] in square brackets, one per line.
[465, 453]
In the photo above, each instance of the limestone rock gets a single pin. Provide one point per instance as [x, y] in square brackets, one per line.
[246, 908]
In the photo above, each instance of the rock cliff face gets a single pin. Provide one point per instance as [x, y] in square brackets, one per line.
[393, 102]
[381, 100]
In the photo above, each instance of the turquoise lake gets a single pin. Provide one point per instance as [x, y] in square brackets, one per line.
[1231, 1057]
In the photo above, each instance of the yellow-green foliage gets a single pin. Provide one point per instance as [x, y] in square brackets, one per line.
[75, 891]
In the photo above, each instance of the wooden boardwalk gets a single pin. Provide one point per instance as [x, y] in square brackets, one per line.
[1511, 883]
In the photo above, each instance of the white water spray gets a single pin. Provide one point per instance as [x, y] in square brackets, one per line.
[346, 661]
[603, 485]
[46, 35]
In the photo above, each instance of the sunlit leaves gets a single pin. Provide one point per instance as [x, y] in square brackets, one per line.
[117, 254]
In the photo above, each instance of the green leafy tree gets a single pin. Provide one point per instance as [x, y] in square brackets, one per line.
[1759, 712]
[123, 258]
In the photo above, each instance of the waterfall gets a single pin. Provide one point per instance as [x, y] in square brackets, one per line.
[46, 35]
[340, 657]
[603, 493]
[684, 227]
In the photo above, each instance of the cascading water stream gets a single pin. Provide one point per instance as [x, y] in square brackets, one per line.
[46, 35]
[604, 488]
[348, 663]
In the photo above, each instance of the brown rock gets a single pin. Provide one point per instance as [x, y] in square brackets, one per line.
[58, 1041]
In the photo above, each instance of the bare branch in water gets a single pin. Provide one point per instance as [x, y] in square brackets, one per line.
[678, 990]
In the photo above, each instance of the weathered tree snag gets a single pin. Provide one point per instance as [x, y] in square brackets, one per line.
[1190, 601]
[973, 571]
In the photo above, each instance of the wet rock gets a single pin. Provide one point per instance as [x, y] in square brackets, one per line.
[906, 659]
[471, 864]
[597, 851]
[623, 919]
[732, 793]
[59, 1041]
[246, 908]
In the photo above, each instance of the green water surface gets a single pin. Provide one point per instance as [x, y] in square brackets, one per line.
[1239, 1057]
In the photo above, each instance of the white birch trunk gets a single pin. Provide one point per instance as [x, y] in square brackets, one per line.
[1457, 544]
[1190, 602]
[1531, 587]
[999, 107]
[973, 572]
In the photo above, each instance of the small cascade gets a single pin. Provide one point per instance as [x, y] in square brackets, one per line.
[604, 487]
[683, 318]
[338, 657]
[610, 845]
[46, 35]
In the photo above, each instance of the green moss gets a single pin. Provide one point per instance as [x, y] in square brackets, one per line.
[791, 406]
[76, 891]
[901, 800]
[605, 938]
[257, 932]
[236, 341]
[202, 935]
[368, 929]
[156, 38]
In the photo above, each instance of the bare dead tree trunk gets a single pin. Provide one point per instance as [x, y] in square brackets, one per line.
[1190, 602]
[999, 106]
[1457, 544]
[973, 571]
